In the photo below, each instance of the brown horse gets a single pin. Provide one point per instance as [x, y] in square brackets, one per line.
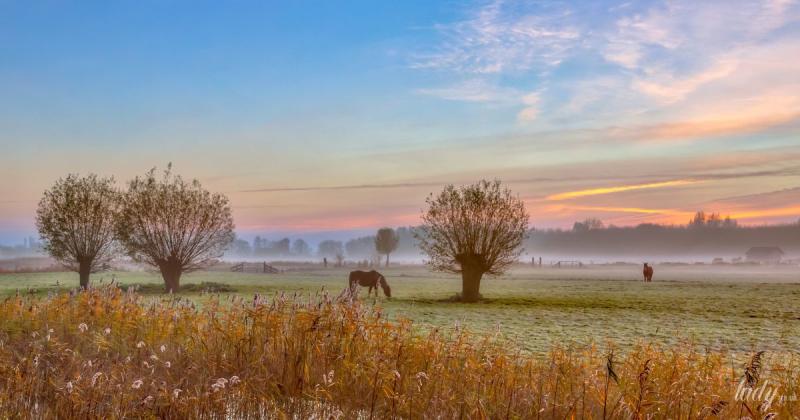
[647, 271]
[369, 279]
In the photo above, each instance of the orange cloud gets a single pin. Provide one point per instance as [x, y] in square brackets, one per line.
[715, 127]
[610, 190]
[677, 216]
[774, 212]
[638, 210]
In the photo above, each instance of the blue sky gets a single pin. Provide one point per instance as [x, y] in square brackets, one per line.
[690, 104]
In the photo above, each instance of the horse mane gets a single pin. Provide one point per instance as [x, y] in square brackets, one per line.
[384, 285]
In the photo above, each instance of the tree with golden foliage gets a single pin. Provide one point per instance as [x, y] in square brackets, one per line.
[473, 230]
[173, 225]
[75, 220]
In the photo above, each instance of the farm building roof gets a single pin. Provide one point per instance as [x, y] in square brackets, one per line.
[764, 251]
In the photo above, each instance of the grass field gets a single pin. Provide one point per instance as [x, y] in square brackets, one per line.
[741, 309]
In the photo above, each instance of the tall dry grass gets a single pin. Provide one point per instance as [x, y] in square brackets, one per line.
[112, 354]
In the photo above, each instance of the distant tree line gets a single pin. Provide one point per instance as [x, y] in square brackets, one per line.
[704, 234]
[261, 247]
[385, 242]
[29, 247]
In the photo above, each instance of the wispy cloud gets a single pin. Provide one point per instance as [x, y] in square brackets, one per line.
[636, 210]
[619, 188]
[793, 211]
[344, 187]
[689, 69]
[501, 37]
[531, 110]
[473, 90]
[709, 127]
[670, 89]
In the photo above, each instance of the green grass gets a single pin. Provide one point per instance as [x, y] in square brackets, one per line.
[736, 308]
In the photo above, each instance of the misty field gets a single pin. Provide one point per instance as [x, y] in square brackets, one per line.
[740, 309]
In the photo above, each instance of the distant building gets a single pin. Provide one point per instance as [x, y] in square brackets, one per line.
[764, 254]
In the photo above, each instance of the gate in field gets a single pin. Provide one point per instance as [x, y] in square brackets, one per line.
[254, 267]
[561, 264]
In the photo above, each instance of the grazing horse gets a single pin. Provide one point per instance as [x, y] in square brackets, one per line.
[369, 279]
[647, 271]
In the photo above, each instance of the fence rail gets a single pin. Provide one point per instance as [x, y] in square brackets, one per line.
[560, 264]
[256, 267]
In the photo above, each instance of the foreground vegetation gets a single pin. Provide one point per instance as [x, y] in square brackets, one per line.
[737, 309]
[106, 353]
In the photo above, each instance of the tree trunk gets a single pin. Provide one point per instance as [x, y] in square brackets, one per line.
[470, 284]
[387, 259]
[84, 269]
[472, 268]
[171, 272]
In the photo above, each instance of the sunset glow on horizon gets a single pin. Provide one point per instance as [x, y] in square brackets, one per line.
[345, 117]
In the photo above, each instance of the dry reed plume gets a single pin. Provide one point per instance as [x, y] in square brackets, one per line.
[106, 353]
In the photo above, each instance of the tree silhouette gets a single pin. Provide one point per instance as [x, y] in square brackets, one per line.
[75, 219]
[282, 247]
[330, 248]
[173, 225]
[587, 225]
[386, 242]
[473, 230]
[300, 247]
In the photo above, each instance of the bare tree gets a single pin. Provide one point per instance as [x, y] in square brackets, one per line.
[75, 219]
[386, 242]
[173, 225]
[473, 230]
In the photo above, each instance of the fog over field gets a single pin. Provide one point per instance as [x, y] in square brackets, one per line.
[703, 239]
[489, 209]
[597, 243]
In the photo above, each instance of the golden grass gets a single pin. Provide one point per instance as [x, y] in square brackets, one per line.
[111, 354]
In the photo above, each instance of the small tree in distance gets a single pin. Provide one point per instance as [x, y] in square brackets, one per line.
[173, 225]
[75, 220]
[386, 242]
[587, 225]
[300, 248]
[473, 230]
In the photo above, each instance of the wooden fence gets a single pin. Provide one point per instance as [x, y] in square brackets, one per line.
[255, 267]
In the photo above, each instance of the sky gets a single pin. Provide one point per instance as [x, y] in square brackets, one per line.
[336, 118]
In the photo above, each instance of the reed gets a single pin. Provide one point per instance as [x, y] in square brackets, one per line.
[108, 353]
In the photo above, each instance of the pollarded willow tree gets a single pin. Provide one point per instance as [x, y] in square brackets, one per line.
[473, 230]
[173, 225]
[75, 220]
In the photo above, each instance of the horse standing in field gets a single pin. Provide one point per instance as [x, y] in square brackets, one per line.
[369, 279]
[647, 271]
